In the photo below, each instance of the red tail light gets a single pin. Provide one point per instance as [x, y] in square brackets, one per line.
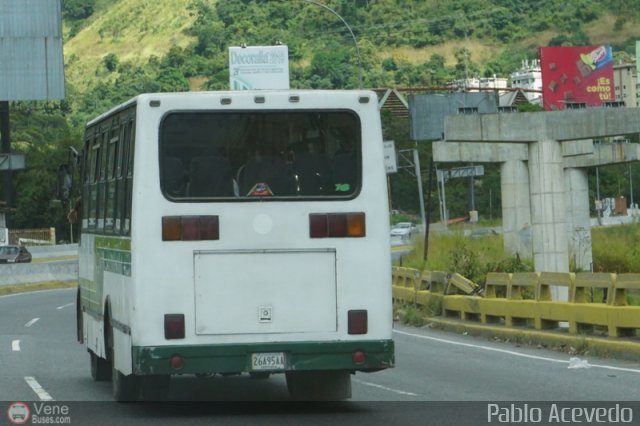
[190, 228]
[174, 326]
[359, 357]
[336, 225]
[357, 321]
[176, 362]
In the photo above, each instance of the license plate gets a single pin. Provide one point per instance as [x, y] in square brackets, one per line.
[267, 361]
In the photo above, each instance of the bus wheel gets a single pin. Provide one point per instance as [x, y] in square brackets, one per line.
[155, 388]
[125, 388]
[100, 368]
[319, 385]
[79, 324]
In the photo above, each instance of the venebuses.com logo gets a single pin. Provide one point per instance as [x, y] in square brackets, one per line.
[18, 413]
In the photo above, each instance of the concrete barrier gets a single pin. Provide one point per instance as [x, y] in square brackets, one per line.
[31, 273]
[524, 300]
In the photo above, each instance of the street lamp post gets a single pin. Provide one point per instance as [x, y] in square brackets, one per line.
[355, 42]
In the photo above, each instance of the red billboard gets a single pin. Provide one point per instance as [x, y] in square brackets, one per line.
[578, 74]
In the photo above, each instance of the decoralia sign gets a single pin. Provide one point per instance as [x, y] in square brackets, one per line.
[259, 67]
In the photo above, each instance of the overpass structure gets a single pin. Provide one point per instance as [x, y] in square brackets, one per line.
[544, 159]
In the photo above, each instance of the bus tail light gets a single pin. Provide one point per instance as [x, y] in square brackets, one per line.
[357, 321]
[174, 326]
[190, 228]
[358, 357]
[176, 362]
[336, 225]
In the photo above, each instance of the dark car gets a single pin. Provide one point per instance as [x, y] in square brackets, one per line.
[14, 254]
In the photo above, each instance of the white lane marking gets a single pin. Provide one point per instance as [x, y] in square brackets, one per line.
[508, 352]
[39, 390]
[374, 385]
[30, 323]
[15, 345]
[65, 306]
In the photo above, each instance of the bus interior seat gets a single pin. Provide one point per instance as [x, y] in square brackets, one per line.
[345, 169]
[173, 176]
[211, 177]
[268, 169]
[314, 173]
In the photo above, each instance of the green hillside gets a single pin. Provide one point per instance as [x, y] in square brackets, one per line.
[115, 49]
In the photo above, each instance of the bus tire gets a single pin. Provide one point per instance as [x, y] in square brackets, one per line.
[319, 385]
[100, 368]
[79, 320]
[124, 388]
[155, 387]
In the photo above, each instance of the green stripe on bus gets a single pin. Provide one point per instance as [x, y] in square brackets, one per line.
[114, 243]
[235, 358]
[112, 254]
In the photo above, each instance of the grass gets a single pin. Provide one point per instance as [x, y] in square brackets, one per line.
[53, 259]
[135, 30]
[615, 248]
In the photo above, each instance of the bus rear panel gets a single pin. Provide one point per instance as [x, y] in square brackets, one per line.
[259, 237]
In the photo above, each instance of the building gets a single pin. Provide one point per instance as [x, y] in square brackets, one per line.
[529, 79]
[477, 84]
[624, 78]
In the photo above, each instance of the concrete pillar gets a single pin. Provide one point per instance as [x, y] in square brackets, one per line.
[578, 219]
[516, 208]
[548, 214]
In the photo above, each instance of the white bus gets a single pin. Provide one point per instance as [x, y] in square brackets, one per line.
[236, 232]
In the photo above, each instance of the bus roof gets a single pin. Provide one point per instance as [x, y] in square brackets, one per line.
[243, 93]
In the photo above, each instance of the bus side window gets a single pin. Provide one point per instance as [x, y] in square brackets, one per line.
[126, 208]
[102, 203]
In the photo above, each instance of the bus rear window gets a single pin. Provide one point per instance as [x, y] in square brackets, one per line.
[260, 155]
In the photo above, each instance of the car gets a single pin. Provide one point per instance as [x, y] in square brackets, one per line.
[403, 228]
[14, 254]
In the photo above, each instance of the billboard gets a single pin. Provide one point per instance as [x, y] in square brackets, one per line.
[576, 74]
[259, 67]
[31, 60]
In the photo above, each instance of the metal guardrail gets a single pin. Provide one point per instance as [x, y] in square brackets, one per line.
[524, 299]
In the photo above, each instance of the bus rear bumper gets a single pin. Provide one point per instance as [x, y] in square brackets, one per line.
[237, 358]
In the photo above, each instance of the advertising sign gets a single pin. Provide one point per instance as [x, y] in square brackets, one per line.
[259, 67]
[577, 74]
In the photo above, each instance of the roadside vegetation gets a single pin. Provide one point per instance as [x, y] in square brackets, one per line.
[615, 250]
[116, 50]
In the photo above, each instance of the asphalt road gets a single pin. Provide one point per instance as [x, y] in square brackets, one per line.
[41, 361]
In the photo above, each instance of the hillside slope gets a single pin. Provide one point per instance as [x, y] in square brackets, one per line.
[407, 32]
[133, 30]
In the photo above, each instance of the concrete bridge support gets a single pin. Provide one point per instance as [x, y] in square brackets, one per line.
[547, 205]
[548, 143]
[577, 218]
[516, 208]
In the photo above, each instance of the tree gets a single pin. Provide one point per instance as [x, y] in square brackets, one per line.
[78, 9]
